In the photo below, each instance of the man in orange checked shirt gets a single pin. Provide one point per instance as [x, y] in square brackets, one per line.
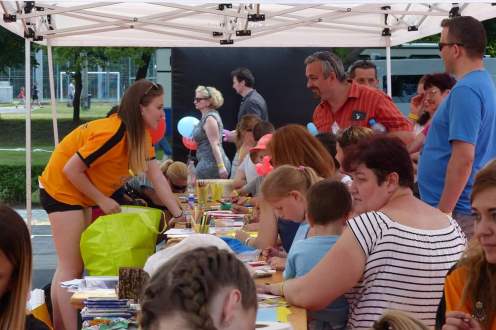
[344, 104]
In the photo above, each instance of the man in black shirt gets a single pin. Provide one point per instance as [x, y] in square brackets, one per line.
[253, 102]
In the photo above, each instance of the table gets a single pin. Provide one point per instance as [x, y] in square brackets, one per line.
[297, 318]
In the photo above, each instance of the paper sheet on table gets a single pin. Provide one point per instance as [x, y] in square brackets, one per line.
[184, 232]
[273, 314]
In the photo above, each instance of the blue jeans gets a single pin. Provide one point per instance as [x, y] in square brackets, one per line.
[164, 145]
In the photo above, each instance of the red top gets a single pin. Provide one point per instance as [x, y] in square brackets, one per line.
[363, 103]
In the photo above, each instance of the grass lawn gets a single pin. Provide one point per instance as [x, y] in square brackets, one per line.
[13, 131]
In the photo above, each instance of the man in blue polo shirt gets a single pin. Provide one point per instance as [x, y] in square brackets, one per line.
[462, 137]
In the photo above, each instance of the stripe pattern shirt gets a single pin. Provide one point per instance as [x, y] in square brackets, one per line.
[404, 270]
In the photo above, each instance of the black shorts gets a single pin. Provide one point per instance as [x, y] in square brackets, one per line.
[52, 205]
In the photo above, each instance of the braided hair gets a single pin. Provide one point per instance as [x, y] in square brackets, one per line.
[187, 284]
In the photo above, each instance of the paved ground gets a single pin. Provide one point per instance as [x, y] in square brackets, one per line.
[44, 257]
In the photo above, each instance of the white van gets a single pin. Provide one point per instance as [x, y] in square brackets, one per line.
[409, 63]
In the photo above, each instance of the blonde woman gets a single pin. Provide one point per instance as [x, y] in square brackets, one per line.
[212, 160]
[15, 271]
[90, 164]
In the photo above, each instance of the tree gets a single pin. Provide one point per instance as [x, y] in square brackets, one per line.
[140, 56]
[12, 54]
[74, 60]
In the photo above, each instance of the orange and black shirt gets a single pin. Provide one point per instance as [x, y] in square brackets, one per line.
[452, 299]
[102, 146]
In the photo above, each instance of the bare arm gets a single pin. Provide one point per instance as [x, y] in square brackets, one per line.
[406, 136]
[75, 170]
[457, 174]
[338, 272]
[417, 143]
[239, 178]
[212, 131]
[162, 188]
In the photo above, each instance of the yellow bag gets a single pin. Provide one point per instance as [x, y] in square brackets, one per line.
[123, 239]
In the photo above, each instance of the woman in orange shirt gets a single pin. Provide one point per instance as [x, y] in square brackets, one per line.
[470, 289]
[88, 165]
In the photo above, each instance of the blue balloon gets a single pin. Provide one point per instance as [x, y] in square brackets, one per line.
[312, 129]
[186, 125]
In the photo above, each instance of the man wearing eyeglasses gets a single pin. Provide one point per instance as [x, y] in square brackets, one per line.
[462, 137]
[344, 104]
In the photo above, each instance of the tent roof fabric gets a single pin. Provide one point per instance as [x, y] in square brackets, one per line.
[183, 24]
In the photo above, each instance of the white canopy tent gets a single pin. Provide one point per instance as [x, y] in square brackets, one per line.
[186, 24]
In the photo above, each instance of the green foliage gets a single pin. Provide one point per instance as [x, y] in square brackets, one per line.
[73, 58]
[12, 54]
[13, 179]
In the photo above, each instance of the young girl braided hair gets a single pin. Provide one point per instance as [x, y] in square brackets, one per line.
[203, 289]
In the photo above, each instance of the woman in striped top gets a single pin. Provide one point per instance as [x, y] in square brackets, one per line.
[394, 254]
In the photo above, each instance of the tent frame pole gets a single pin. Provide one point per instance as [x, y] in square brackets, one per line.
[388, 66]
[27, 109]
[53, 101]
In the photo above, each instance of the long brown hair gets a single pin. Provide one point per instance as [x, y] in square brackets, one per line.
[141, 93]
[186, 285]
[246, 123]
[294, 145]
[480, 285]
[286, 178]
[15, 244]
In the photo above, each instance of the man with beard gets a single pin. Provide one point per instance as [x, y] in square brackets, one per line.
[344, 104]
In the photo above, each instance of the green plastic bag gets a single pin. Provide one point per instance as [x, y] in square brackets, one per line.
[123, 239]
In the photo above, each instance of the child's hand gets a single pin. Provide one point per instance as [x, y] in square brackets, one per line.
[252, 227]
[460, 321]
[236, 208]
[277, 263]
[275, 288]
[273, 252]
[241, 235]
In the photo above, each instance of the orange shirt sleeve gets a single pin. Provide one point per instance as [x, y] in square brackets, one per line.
[453, 289]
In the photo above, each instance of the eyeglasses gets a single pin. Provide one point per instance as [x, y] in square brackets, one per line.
[198, 99]
[442, 44]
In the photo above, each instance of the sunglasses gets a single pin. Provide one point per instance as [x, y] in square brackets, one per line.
[198, 99]
[442, 44]
[152, 86]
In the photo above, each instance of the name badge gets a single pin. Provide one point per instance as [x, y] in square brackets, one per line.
[358, 115]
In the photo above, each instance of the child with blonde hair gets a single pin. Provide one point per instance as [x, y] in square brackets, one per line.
[284, 189]
[328, 207]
